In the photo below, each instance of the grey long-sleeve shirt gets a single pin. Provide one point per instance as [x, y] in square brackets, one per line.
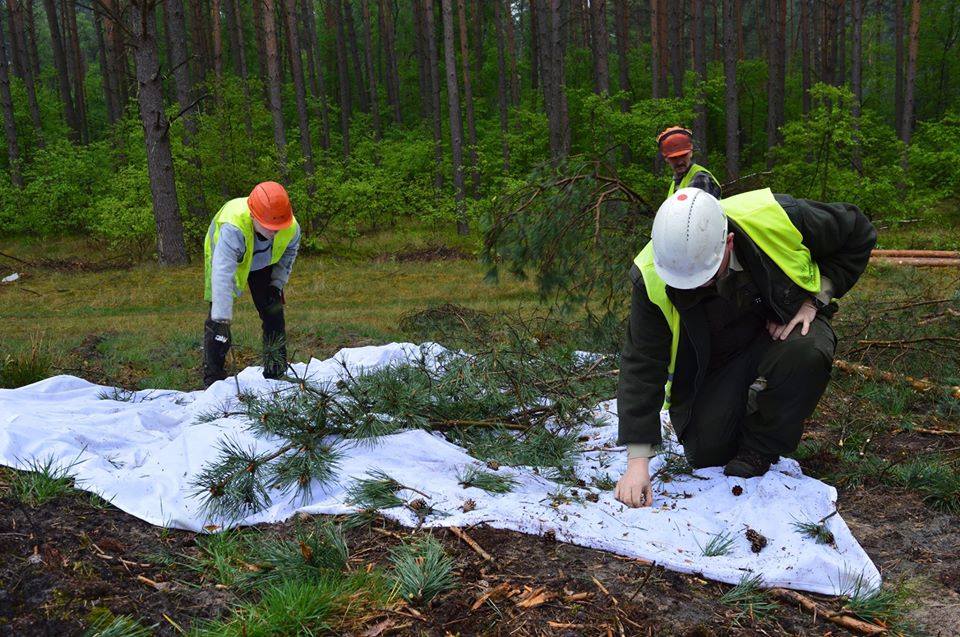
[229, 252]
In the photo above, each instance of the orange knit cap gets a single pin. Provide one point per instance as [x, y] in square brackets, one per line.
[675, 141]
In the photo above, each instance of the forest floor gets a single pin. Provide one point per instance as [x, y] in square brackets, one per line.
[892, 453]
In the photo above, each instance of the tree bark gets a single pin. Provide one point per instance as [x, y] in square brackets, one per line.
[156, 128]
[434, 72]
[18, 53]
[856, 56]
[60, 64]
[355, 56]
[109, 87]
[513, 82]
[423, 70]
[841, 55]
[371, 74]
[502, 90]
[387, 40]
[676, 40]
[343, 80]
[9, 122]
[217, 36]
[805, 44]
[776, 64]
[318, 83]
[18, 32]
[261, 48]
[911, 79]
[535, 48]
[700, 67]
[731, 100]
[456, 128]
[898, 97]
[77, 70]
[273, 82]
[201, 48]
[299, 87]
[551, 64]
[621, 10]
[468, 98]
[601, 45]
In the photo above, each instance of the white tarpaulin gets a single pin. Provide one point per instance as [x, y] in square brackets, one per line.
[142, 454]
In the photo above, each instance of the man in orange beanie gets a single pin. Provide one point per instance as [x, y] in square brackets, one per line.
[676, 146]
[252, 242]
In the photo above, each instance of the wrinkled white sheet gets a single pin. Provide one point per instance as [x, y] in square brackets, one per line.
[142, 454]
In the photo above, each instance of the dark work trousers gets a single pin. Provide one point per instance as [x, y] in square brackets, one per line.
[796, 370]
[269, 303]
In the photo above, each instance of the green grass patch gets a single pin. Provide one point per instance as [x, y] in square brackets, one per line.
[750, 600]
[887, 606]
[25, 367]
[224, 556]
[719, 544]
[43, 480]
[422, 570]
[316, 551]
[103, 623]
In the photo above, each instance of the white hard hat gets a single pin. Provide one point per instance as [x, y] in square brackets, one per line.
[689, 235]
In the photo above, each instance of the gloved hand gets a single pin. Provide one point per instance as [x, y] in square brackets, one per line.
[216, 344]
[274, 300]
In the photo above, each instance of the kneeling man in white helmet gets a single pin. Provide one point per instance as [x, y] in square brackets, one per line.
[730, 327]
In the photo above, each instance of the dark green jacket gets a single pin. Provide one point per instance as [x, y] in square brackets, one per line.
[839, 238]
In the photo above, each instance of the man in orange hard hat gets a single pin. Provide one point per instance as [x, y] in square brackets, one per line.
[676, 146]
[252, 242]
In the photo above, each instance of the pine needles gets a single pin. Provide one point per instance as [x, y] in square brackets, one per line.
[473, 476]
[719, 545]
[514, 401]
[816, 531]
[377, 491]
[422, 570]
[750, 600]
[42, 481]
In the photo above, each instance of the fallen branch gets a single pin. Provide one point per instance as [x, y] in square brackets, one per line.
[460, 533]
[929, 262]
[850, 623]
[948, 254]
[921, 385]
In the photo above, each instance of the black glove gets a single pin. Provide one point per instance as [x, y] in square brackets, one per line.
[216, 344]
[274, 300]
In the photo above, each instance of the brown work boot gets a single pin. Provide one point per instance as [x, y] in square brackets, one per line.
[749, 464]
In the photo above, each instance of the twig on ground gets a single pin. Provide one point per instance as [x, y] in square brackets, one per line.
[850, 623]
[460, 533]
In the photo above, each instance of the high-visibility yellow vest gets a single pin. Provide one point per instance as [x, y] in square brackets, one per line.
[236, 213]
[767, 224]
[694, 169]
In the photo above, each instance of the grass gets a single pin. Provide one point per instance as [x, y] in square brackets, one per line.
[42, 480]
[750, 600]
[719, 545]
[886, 606]
[103, 623]
[224, 556]
[314, 552]
[25, 367]
[474, 476]
[377, 491]
[422, 570]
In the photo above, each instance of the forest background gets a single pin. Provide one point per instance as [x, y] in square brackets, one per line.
[132, 121]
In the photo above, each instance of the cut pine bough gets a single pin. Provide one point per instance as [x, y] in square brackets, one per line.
[919, 258]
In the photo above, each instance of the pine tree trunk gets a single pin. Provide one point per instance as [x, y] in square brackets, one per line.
[898, 96]
[177, 58]
[477, 12]
[269, 14]
[77, 70]
[109, 87]
[456, 128]
[355, 56]
[388, 40]
[371, 74]
[60, 64]
[655, 36]
[156, 128]
[676, 22]
[535, 48]
[700, 67]
[601, 46]
[776, 62]
[217, 36]
[299, 87]
[513, 82]
[731, 101]
[906, 126]
[230, 12]
[198, 31]
[856, 56]
[9, 122]
[261, 48]
[551, 64]
[502, 90]
[805, 44]
[32, 40]
[420, 46]
[18, 31]
[18, 54]
[318, 84]
[621, 10]
[434, 72]
[468, 98]
[841, 56]
[343, 80]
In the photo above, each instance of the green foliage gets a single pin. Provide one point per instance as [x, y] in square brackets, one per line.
[750, 600]
[720, 544]
[103, 623]
[222, 556]
[817, 531]
[887, 606]
[377, 491]
[43, 480]
[422, 570]
[317, 550]
[474, 476]
[935, 156]
[23, 368]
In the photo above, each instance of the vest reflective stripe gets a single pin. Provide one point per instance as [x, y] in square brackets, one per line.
[694, 169]
[237, 214]
[767, 224]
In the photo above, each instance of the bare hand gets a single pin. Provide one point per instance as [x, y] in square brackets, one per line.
[634, 488]
[804, 317]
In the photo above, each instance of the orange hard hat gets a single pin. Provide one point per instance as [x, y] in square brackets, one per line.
[675, 141]
[270, 205]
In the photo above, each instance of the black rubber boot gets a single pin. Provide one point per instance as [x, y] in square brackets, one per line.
[749, 464]
[216, 344]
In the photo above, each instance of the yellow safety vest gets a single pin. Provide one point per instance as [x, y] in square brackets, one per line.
[767, 224]
[236, 213]
[694, 169]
